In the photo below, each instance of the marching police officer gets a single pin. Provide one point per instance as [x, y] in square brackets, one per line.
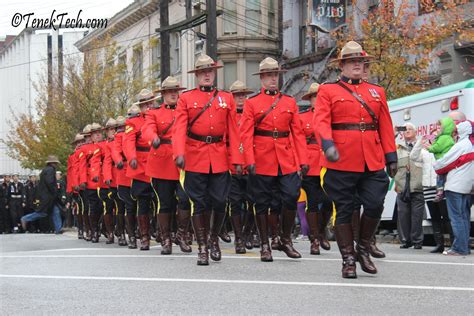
[123, 184]
[136, 150]
[158, 130]
[239, 197]
[311, 182]
[81, 176]
[90, 168]
[205, 120]
[355, 129]
[72, 188]
[275, 151]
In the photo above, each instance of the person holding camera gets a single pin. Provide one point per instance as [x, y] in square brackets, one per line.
[410, 201]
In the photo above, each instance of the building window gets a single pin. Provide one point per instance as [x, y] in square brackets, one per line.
[155, 57]
[271, 17]
[230, 73]
[230, 17]
[175, 55]
[252, 16]
[252, 81]
[122, 65]
[137, 62]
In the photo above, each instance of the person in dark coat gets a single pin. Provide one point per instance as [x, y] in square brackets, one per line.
[46, 193]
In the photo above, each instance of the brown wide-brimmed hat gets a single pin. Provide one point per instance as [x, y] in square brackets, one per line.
[86, 130]
[52, 159]
[313, 89]
[96, 127]
[352, 50]
[111, 123]
[134, 110]
[204, 62]
[169, 84]
[239, 87]
[79, 137]
[120, 120]
[145, 96]
[268, 65]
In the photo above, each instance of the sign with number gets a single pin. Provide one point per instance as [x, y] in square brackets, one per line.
[328, 14]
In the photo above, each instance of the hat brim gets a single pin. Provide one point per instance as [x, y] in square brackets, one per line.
[169, 89]
[308, 96]
[216, 66]
[147, 100]
[336, 60]
[279, 70]
[242, 91]
[53, 161]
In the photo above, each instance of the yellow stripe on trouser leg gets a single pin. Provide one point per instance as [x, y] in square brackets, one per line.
[182, 176]
[334, 211]
[157, 208]
[104, 207]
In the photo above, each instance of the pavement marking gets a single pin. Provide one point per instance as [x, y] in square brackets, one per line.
[247, 256]
[258, 282]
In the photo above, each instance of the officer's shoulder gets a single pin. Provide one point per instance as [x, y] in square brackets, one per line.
[253, 95]
[373, 84]
[187, 91]
[330, 82]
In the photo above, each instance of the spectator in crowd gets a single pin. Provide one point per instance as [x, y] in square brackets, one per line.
[30, 192]
[16, 202]
[4, 221]
[410, 202]
[439, 147]
[60, 204]
[46, 195]
[457, 163]
[438, 210]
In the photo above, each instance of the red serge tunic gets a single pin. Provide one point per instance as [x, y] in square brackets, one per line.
[160, 163]
[267, 153]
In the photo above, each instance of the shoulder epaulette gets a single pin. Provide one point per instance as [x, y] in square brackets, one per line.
[331, 82]
[374, 84]
[185, 91]
[253, 95]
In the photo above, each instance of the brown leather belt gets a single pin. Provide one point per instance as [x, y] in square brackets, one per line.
[311, 141]
[143, 149]
[165, 141]
[362, 126]
[274, 134]
[206, 139]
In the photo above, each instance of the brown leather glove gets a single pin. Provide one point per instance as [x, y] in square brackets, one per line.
[133, 164]
[251, 169]
[156, 143]
[392, 168]
[180, 162]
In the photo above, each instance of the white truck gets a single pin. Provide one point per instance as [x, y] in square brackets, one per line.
[424, 110]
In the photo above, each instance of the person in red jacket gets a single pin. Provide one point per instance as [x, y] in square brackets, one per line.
[275, 151]
[90, 169]
[239, 198]
[355, 130]
[158, 131]
[311, 181]
[72, 187]
[205, 119]
[81, 175]
[136, 150]
[107, 191]
[126, 205]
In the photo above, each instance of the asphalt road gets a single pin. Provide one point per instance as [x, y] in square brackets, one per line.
[46, 274]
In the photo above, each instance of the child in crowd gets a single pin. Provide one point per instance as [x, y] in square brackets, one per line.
[442, 143]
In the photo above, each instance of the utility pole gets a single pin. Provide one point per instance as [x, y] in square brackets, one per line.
[164, 40]
[211, 29]
[189, 10]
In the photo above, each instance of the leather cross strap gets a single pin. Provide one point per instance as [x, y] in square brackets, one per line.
[272, 106]
[163, 132]
[361, 101]
[208, 104]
